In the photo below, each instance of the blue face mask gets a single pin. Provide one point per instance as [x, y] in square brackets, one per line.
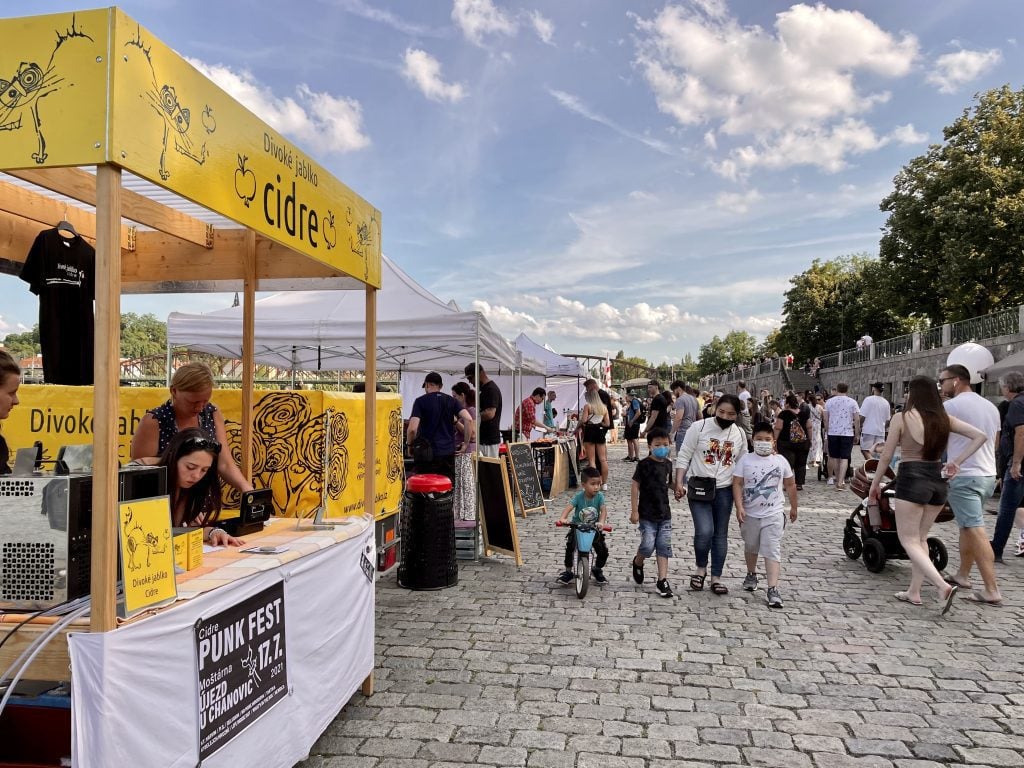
[661, 451]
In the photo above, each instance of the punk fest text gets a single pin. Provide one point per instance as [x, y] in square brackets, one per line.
[241, 664]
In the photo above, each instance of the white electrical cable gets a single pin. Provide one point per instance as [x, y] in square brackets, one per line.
[39, 644]
[56, 610]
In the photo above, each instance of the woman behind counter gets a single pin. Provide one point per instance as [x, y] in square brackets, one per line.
[193, 483]
[189, 406]
[10, 380]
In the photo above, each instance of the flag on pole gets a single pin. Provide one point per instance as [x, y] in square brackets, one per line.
[607, 372]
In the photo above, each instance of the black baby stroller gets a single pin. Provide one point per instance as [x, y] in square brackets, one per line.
[877, 539]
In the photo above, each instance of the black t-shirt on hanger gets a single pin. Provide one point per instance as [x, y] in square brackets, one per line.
[61, 272]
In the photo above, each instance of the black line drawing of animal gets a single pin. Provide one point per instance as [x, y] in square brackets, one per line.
[176, 117]
[29, 85]
[138, 541]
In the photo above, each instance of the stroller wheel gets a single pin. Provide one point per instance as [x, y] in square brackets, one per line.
[852, 545]
[937, 553]
[874, 555]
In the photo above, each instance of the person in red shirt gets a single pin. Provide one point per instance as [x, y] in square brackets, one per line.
[525, 420]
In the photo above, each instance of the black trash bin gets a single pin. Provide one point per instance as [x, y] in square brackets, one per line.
[428, 534]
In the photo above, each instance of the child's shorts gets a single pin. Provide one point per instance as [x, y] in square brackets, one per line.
[655, 536]
[763, 535]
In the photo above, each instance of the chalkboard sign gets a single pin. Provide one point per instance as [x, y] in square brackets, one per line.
[527, 481]
[571, 449]
[497, 516]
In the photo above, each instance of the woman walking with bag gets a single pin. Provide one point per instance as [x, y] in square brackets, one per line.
[792, 437]
[922, 431]
[704, 468]
[596, 421]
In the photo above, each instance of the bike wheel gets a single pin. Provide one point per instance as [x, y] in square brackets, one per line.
[582, 574]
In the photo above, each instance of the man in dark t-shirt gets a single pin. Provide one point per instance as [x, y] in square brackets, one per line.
[488, 405]
[61, 272]
[433, 421]
[661, 407]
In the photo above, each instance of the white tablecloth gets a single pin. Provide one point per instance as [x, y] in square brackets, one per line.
[135, 689]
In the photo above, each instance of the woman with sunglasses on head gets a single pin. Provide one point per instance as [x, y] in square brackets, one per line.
[193, 484]
[922, 432]
[189, 406]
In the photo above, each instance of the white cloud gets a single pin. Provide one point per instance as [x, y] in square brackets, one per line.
[316, 119]
[953, 70]
[907, 134]
[424, 71]
[793, 88]
[543, 26]
[573, 104]
[480, 18]
[737, 202]
[365, 11]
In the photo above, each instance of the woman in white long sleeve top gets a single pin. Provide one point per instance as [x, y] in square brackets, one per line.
[711, 449]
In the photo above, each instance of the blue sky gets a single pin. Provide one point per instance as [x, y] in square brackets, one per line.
[603, 175]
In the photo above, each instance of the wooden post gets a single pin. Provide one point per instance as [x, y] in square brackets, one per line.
[106, 379]
[370, 438]
[248, 350]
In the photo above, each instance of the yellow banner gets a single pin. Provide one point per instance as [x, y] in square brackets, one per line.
[53, 106]
[176, 128]
[147, 553]
[288, 440]
[346, 492]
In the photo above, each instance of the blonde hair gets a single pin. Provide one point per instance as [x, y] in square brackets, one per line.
[596, 405]
[193, 377]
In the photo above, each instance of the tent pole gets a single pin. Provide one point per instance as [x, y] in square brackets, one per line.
[169, 362]
[248, 349]
[476, 382]
[295, 358]
[370, 435]
[106, 367]
[518, 398]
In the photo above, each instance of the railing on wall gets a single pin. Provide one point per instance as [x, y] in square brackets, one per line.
[1006, 322]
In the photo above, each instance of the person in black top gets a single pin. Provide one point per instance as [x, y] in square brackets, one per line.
[61, 272]
[650, 508]
[659, 416]
[488, 410]
[793, 436]
[433, 423]
[10, 380]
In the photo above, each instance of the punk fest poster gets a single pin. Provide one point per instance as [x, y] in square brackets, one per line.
[241, 664]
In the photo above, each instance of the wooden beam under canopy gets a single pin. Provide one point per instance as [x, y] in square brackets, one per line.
[81, 185]
[19, 201]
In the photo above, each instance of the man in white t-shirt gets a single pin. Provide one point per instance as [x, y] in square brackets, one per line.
[842, 426]
[874, 416]
[974, 481]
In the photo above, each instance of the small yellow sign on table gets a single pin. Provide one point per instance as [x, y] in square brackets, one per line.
[147, 554]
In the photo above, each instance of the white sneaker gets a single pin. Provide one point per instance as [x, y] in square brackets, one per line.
[604, 486]
[831, 481]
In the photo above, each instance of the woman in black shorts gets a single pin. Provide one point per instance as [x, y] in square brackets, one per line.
[596, 420]
[921, 432]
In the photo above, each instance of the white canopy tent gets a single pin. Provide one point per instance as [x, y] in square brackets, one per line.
[325, 330]
[554, 363]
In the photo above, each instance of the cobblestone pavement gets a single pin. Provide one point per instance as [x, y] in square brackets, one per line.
[510, 669]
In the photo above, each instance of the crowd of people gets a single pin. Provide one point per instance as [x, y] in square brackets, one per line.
[737, 453]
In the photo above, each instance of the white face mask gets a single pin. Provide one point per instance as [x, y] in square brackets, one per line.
[763, 447]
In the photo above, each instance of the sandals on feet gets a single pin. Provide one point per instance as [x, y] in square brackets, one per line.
[718, 588]
[904, 597]
[948, 602]
[697, 581]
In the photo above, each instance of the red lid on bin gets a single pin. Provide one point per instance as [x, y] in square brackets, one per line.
[428, 484]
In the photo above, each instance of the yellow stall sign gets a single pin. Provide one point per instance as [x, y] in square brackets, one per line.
[97, 87]
[147, 553]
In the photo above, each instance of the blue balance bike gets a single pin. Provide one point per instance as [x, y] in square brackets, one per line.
[585, 534]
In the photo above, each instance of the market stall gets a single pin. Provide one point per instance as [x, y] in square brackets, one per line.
[182, 189]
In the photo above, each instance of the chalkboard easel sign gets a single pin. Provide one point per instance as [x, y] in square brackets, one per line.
[497, 515]
[524, 472]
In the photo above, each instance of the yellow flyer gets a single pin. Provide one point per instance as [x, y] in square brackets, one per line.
[147, 553]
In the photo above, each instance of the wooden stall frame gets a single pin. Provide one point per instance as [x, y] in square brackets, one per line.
[178, 247]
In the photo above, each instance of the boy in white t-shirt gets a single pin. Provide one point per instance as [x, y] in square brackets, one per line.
[757, 486]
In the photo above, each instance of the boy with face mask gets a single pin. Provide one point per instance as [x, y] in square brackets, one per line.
[650, 508]
[758, 484]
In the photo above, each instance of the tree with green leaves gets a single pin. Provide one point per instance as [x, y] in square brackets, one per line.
[22, 345]
[142, 335]
[833, 303]
[721, 354]
[956, 216]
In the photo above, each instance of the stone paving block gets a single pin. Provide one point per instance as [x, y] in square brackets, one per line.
[508, 757]
[989, 756]
[547, 758]
[539, 739]
[716, 753]
[833, 760]
[456, 753]
[776, 758]
[390, 748]
[734, 736]
[598, 760]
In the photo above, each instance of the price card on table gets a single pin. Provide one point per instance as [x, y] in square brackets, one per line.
[241, 664]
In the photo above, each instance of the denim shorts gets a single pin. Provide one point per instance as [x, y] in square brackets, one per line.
[920, 482]
[967, 497]
[655, 536]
